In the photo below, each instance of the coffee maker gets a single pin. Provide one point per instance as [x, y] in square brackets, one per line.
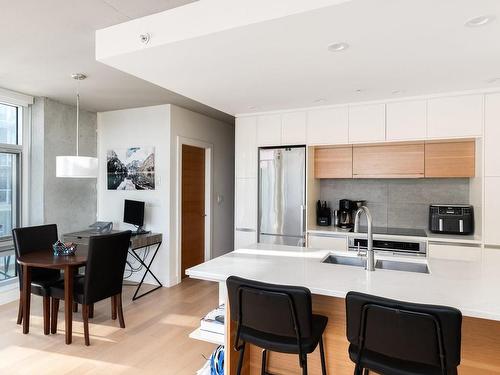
[345, 218]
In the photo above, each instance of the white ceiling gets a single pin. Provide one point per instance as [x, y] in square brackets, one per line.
[43, 42]
[411, 46]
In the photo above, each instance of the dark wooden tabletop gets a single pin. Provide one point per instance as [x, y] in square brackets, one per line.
[47, 259]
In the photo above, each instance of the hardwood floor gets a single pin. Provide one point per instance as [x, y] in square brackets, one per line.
[155, 341]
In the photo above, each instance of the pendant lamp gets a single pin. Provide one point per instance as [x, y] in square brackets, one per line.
[77, 166]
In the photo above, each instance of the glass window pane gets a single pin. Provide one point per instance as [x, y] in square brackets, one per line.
[8, 124]
[7, 192]
[7, 267]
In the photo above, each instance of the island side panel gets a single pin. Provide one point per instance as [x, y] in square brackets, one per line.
[480, 346]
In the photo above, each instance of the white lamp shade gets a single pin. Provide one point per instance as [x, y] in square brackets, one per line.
[76, 167]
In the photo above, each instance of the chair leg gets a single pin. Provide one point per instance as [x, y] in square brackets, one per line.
[75, 307]
[367, 372]
[113, 307]
[85, 316]
[119, 308]
[53, 315]
[322, 355]
[263, 367]
[358, 370]
[240, 359]
[46, 315]
[20, 311]
[304, 365]
[91, 311]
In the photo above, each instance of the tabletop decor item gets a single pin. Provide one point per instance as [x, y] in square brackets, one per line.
[63, 249]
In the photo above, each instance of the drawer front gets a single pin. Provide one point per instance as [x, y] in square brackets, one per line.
[454, 252]
[327, 242]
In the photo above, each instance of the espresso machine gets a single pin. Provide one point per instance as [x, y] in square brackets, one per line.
[345, 214]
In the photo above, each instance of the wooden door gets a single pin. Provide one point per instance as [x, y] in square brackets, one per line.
[193, 207]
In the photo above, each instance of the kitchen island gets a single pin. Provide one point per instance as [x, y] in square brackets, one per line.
[471, 286]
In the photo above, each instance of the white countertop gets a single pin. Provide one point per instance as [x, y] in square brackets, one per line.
[463, 239]
[471, 286]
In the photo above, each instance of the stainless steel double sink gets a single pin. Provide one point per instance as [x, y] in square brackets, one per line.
[380, 264]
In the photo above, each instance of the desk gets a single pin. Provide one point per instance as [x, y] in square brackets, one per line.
[137, 243]
[46, 259]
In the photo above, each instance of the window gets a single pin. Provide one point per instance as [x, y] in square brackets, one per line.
[10, 184]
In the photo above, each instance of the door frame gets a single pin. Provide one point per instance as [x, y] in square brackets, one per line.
[208, 198]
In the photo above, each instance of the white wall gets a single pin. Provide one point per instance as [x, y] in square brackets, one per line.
[188, 124]
[161, 127]
[149, 126]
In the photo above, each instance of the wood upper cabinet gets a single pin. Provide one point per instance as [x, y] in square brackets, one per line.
[333, 162]
[401, 160]
[450, 158]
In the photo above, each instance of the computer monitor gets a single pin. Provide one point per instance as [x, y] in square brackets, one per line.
[133, 213]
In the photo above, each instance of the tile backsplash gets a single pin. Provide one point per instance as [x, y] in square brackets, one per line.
[400, 203]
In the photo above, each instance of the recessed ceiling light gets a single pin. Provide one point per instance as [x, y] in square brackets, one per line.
[494, 80]
[252, 107]
[320, 100]
[337, 47]
[479, 21]
[359, 91]
[395, 92]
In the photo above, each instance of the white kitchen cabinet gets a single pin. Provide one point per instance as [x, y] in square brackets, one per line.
[269, 130]
[328, 126]
[246, 147]
[246, 203]
[327, 242]
[458, 116]
[454, 251]
[293, 128]
[491, 210]
[367, 123]
[243, 238]
[492, 135]
[407, 120]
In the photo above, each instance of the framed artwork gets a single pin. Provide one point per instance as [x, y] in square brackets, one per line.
[131, 168]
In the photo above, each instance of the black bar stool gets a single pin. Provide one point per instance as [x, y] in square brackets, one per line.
[400, 338]
[275, 318]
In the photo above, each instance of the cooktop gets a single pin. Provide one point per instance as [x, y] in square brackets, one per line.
[416, 232]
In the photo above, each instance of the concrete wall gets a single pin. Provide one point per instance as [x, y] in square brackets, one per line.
[194, 126]
[149, 126]
[70, 203]
[400, 203]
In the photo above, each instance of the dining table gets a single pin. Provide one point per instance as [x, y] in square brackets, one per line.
[45, 258]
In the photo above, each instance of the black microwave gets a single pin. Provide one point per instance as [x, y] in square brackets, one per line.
[451, 219]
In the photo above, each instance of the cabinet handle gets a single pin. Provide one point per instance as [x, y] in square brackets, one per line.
[245, 230]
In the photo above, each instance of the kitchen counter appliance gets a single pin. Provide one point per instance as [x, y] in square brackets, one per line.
[345, 214]
[282, 194]
[411, 247]
[451, 219]
[323, 214]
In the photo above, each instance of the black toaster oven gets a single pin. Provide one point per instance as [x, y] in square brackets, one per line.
[451, 219]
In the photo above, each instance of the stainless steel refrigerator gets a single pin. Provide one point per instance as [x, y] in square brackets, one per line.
[282, 180]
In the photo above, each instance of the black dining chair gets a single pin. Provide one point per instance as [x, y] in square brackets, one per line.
[401, 338]
[275, 318]
[36, 238]
[103, 278]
